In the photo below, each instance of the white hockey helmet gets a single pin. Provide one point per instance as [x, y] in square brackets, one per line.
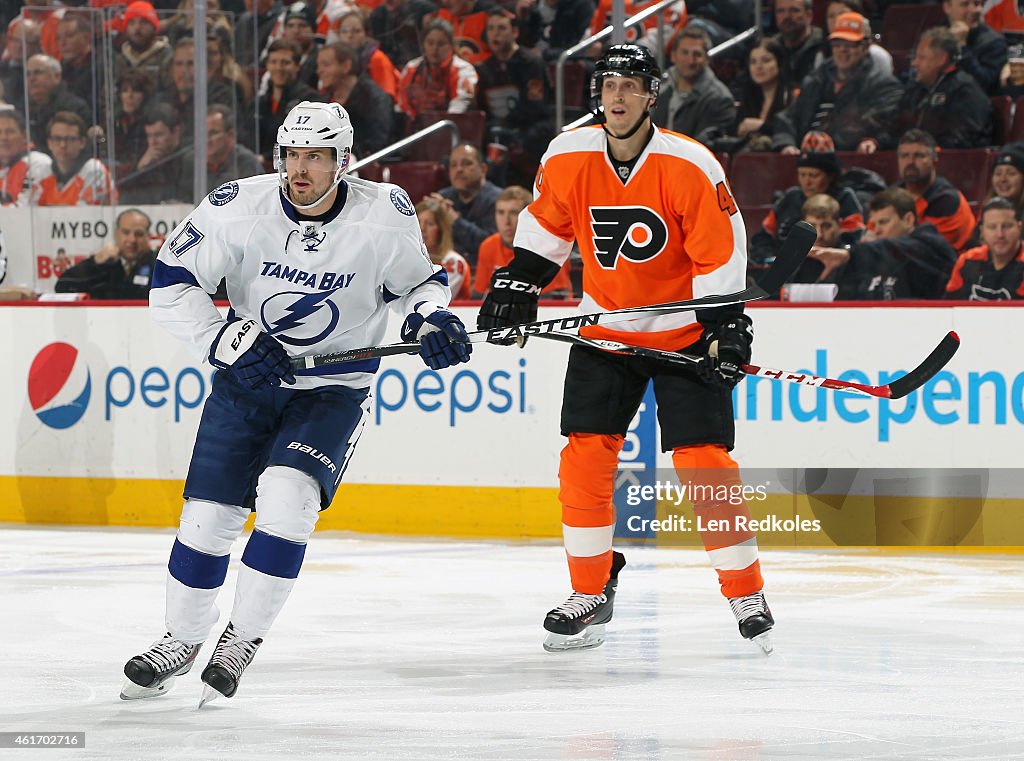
[315, 125]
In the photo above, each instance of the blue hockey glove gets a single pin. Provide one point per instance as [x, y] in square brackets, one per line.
[250, 355]
[441, 335]
[729, 347]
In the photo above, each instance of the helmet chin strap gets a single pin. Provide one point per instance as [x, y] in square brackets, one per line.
[632, 131]
[282, 178]
[304, 207]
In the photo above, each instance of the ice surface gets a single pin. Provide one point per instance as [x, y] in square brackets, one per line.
[394, 649]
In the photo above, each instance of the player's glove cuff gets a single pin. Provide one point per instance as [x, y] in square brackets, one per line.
[729, 348]
[511, 300]
[441, 335]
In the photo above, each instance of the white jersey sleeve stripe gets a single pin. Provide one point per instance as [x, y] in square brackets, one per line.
[531, 235]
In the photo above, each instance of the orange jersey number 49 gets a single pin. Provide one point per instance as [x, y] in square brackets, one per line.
[725, 201]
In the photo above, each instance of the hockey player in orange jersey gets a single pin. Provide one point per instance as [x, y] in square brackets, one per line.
[655, 221]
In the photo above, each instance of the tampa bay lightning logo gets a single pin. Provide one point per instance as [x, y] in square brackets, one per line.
[402, 202]
[225, 194]
[300, 319]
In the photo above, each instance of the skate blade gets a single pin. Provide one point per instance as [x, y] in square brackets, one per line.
[132, 691]
[209, 695]
[592, 636]
[764, 641]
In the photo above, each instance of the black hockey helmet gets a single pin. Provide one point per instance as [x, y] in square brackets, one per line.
[627, 60]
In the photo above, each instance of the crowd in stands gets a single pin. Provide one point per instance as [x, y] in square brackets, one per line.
[816, 118]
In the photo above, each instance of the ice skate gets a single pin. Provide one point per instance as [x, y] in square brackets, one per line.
[578, 623]
[755, 619]
[153, 672]
[229, 660]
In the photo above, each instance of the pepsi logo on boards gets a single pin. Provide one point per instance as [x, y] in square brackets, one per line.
[59, 385]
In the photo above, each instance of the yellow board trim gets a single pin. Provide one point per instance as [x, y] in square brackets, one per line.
[527, 513]
[451, 511]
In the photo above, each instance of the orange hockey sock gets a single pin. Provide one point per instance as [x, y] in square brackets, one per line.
[587, 478]
[714, 480]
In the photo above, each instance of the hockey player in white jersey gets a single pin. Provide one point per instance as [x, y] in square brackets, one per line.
[312, 260]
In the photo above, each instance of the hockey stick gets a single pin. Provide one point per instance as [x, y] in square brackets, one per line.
[897, 389]
[791, 254]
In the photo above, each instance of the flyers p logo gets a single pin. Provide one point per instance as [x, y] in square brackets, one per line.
[634, 232]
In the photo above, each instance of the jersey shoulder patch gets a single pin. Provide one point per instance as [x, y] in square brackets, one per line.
[224, 195]
[402, 202]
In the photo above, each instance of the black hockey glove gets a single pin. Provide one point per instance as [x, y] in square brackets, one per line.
[253, 357]
[512, 300]
[729, 345]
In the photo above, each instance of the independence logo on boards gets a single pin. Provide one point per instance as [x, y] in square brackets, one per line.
[59, 385]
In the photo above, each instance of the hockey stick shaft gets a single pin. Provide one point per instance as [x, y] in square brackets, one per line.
[792, 253]
[897, 389]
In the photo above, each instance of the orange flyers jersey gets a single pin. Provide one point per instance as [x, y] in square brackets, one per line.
[91, 185]
[671, 232]
[1003, 16]
[459, 275]
[469, 34]
[21, 181]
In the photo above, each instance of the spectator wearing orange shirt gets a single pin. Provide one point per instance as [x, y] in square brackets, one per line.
[438, 80]
[77, 178]
[469, 22]
[354, 30]
[436, 227]
[496, 251]
[937, 201]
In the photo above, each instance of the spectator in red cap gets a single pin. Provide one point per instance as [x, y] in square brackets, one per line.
[143, 47]
[833, 10]
[848, 97]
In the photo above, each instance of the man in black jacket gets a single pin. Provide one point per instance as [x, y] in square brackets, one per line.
[848, 97]
[994, 271]
[798, 35]
[693, 100]
[896, 259]
[122, 270]
[983, 49]
[48, 94]
[943, 100]
[368, 106]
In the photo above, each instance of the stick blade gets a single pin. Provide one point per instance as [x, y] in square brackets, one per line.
[791, 255]
[921, 374]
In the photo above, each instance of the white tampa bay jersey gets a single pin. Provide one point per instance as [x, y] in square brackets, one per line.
[316, 286]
